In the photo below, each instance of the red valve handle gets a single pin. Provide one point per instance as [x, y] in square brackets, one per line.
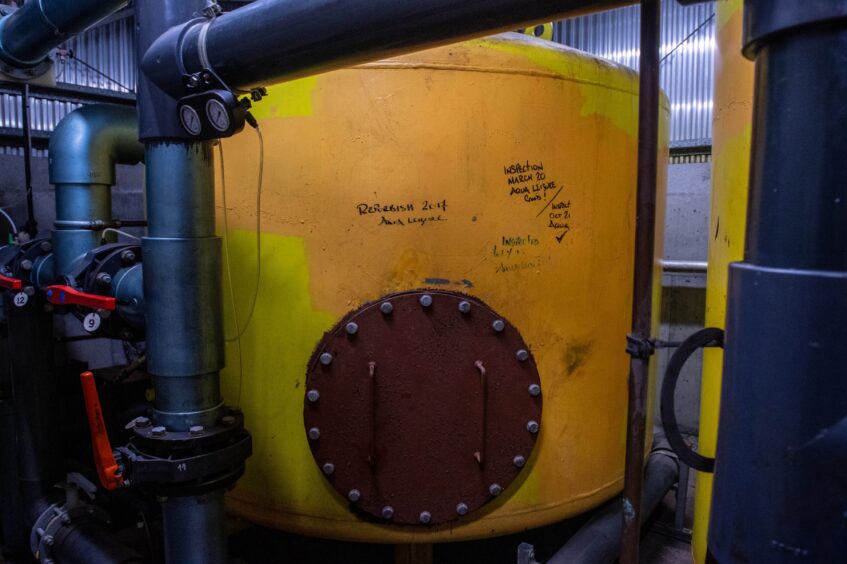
[107, 467]
[10, 283]
[65, 295]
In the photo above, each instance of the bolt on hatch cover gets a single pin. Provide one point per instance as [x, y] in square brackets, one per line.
[422, 407]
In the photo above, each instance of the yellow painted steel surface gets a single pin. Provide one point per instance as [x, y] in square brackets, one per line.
[504, 167]
[733, 109]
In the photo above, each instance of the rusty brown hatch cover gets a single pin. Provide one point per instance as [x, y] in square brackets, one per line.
[422, 407]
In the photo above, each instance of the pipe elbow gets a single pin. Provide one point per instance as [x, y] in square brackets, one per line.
[90, 141]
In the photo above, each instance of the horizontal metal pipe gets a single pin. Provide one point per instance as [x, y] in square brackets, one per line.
[684, 265]
[28, 34]
[271, 41]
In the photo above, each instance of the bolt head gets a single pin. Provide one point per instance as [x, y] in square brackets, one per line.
[354, 495]
[465, 306]
[328, 468]
[519, 461]
[128, 257]
[142, 422]
[534, 390]
[46, 246]
[26, 264]
[326, 359]
[352, 328]
[313, 396]
[386, 308]
[29, 291]
[462, 509]
[522, 355]
[159, 431]
[495, 489]
[196, 430]
[314, 433]
[426, 300]
[48, 540]
[425, 517]
[499, 325]
[387, 512]
[228, 420]
[532, 426]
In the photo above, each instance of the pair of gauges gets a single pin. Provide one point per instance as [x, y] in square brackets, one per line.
[211, 114]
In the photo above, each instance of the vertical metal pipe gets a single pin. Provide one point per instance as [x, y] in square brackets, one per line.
[31, 225]
[182, 288]
[642, 297]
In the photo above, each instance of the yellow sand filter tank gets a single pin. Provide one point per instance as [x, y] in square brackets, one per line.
[437, 347]
[733, 118]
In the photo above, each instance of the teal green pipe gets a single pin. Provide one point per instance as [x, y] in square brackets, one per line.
[83, 152]
[29, 34]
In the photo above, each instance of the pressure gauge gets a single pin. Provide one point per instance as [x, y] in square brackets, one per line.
[190, 120]
[217, 115]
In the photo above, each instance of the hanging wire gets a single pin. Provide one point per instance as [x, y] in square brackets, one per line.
[119, 232]
[10, 220]
[696, 30]
[71, 55]
[239, 331]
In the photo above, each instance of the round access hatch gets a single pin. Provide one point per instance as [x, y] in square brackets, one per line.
[422, 407]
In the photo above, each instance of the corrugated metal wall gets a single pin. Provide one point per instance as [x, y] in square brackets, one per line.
[688, 47]
[107, 50]
[687, 70]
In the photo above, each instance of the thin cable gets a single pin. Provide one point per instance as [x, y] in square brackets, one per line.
[240, 331]
[119, 232]
[73, 56]
[697, 29]
[10, 220]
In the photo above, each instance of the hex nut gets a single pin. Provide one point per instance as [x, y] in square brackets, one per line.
[46, 246]
[522, 355]
[228, 420]
[426, 300]
[104, 279]
[313, 396]
[142, 422]
[195, 430]
[499, 325]
[386, 308]
[159, 431]
[326, 359]
[534, 390]
[314, 433]
[26, 264]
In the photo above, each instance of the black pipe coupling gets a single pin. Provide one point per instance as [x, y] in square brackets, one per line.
[764, 19]
[193, 462]
[104, 290]
[61, 516]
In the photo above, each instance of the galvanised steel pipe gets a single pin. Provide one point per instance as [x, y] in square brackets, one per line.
[28, 35]
[83, 152]
[271, 41]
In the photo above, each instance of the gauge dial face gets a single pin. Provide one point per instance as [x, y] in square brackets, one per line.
[190, 120]
[218, 115]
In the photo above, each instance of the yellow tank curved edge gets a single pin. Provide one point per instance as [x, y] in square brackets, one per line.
[733, 111]
[553, 105]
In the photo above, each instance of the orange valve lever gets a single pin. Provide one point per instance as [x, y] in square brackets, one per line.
[107, 467]
[65, 295]
[10, 283]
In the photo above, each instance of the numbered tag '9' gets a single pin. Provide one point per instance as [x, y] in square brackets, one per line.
[91, 322]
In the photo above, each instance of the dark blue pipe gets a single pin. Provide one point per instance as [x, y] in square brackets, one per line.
[84, 149]
[28, 35]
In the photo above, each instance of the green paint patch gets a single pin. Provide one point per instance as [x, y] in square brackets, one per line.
[289, 99]
[268, 373]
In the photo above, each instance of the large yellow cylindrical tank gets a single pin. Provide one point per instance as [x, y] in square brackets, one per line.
[395, 176]
[733, 115]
